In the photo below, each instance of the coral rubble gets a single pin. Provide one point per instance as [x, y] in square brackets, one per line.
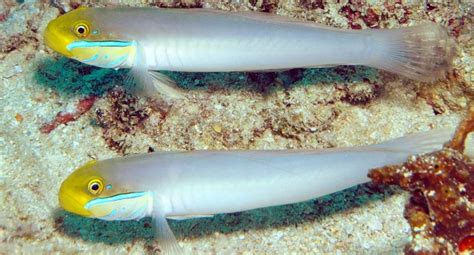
[440, 211]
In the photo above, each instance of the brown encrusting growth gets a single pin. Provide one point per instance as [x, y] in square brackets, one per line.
[440, 211]
[122, 118]
[458, 141]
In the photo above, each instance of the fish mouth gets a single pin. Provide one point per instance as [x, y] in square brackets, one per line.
[71, 203]
[57, 41]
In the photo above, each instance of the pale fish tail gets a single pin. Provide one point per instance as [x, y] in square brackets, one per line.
[423, 52]
[419, 143]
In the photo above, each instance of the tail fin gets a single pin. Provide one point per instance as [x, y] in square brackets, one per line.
[423, 53]
[419, 143]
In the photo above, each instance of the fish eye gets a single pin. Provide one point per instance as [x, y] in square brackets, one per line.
[81, 29]
[95, 186]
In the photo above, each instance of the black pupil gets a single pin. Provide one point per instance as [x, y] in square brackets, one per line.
[95, 187]
[80, 30]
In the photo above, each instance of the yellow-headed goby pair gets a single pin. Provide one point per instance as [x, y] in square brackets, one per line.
[181, 185]
[147, 40]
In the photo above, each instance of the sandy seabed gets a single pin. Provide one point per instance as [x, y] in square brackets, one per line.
[314, 108]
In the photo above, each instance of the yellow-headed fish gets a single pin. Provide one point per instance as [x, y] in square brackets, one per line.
[198, 40]
[204, 183]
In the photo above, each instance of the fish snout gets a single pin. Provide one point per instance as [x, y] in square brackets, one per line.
[57, 40]
[70, 202]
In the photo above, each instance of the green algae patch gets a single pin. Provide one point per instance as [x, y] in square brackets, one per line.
[261, 81]
[340, 74]
[109, 232]
[69, 77]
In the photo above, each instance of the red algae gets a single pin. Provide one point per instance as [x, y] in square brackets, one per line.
[82, 107]
[4, 16]
[441, 184]
[467, 244]
[456, 24]
[351, 16]
[371, 18]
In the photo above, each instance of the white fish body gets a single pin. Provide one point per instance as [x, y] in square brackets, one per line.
[197, 40]
[212, 182]
[204, 183]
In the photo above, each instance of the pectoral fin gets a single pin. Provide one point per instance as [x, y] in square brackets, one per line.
[165, 236]
[165, 85]
[148, 83]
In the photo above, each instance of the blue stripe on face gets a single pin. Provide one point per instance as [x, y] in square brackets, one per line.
[99, 201]
[87, 44]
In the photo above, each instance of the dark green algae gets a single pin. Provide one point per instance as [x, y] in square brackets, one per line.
[70, 78]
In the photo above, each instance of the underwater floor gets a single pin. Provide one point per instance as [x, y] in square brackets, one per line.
[57, 114]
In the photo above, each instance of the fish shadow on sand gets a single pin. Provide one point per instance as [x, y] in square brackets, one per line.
[113, 232]
[71, 78]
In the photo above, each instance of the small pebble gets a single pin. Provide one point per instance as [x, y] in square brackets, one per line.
[375, 225]
[366, 245]
[18, 69]
[19, 117]
[217, 128]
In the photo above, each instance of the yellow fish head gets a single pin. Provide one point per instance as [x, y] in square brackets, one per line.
[82, 186]
[89, 193]
[66, 29]
[79, 35]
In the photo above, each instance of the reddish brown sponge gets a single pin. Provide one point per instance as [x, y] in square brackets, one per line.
[440, 211]
[65, 117]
